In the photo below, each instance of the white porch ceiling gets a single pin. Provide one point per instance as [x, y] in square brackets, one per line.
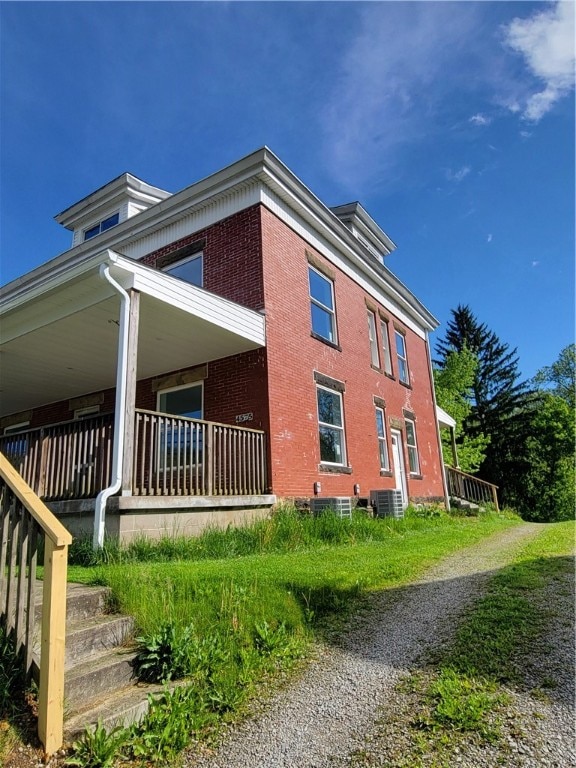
[63, 342]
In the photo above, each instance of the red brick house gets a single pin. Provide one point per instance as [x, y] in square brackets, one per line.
[197, 356]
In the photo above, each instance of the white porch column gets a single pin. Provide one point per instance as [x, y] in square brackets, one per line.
[130, 402]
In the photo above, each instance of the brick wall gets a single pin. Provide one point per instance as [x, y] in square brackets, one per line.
[232, 257]
[293, 356]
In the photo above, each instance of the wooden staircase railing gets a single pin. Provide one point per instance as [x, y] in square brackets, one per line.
[26, 523]
[470, 488]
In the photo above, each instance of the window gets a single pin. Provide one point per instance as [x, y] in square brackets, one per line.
[188, 269]
[331, 426]
[102, 226]
[180, 443]
[85, 413]
[16, 445]
[374, 352]
[182, 401]
[14, 428]
[386, 347]
[413, 462]
[402, 359]
[322, 305]
[382, 445]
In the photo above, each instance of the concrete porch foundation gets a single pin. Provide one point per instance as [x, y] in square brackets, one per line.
[130, 517]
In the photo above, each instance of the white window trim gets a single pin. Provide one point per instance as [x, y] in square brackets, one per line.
[13, 428]
[402, 358]
[373, 338]
[331, 312]
[198, 255]
[342, 429]
[383, 439]
[385, 330]
[412, 447]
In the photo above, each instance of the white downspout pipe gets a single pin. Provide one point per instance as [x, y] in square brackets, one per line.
[119, 413]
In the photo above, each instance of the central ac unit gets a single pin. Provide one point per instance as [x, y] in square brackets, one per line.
[387, 503]
[340, 505]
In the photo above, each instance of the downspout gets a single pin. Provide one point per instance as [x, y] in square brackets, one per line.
[438, 438]
[119, 413]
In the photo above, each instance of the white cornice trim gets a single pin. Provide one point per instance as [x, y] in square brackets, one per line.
[273, 174]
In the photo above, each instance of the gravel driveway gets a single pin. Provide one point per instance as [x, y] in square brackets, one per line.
[331, 711]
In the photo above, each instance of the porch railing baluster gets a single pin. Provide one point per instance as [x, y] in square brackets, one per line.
[195, 457]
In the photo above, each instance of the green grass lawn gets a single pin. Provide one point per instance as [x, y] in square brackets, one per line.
[297, 587]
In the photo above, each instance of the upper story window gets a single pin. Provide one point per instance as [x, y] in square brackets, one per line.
[189, 269]
[374, 351]
[382, 444]
[402, 358]
[102, 226]
[386, 347]
[331, 426]
[412, 446]
[322, 305]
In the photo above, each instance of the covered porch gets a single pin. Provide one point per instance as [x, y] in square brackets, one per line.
[108, 323]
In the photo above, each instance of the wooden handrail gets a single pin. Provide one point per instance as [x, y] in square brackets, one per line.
[470, 488]
[23, 517]
[52, 527]
[199, 421]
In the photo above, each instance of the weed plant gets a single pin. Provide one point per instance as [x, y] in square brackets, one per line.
[14, 714]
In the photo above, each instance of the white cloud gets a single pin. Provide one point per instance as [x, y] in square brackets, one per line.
[535, 263]
[410, 70]
[489, 239]
[546, 41]
[391, 86]
[480, 119]
[458, 175]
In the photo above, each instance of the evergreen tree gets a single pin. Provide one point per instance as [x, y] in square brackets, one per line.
[500, 402]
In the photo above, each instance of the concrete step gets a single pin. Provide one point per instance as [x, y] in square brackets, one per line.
[97, 677]
[95, 635]
[82, 602]
[127, 706]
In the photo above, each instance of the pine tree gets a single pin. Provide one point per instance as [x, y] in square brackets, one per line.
[499, 400]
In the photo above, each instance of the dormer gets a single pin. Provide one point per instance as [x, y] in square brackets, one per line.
[108, 206]
[365, 229]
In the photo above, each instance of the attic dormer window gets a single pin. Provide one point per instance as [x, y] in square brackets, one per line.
[102, 226]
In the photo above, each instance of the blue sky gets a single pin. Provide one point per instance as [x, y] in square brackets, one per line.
[452, 123]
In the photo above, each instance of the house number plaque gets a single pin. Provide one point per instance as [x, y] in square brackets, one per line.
[242, 417]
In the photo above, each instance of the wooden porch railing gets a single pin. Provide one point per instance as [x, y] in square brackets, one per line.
[174, 456]
[24, 522]
[70, 460]
[470, 488]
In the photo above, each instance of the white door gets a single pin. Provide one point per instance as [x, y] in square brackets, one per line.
[399, 468]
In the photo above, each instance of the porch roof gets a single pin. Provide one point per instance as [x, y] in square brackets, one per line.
[59, 334]
[444, 419]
